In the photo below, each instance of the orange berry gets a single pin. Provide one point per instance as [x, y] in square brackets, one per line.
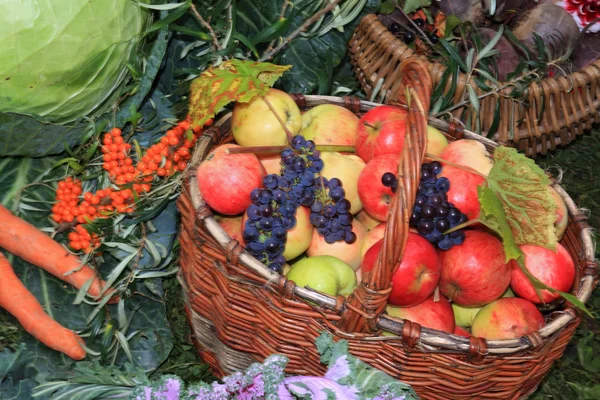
[115, 131]
[161, 172]
[147, 158]
[75, 245]
[152, 166]
[141, 166]
[145, 187]
[185, 125]
[128, 161]
[114, 148]
[173, 141]
[87, 196]
[164, 140]
[157, 158]
[107, 157]
[164, 152]
[68, 217]
[81, 219]
[181, 166]
[95, 200]
[56, 217]
[121, 156]
[85, 244]
[107, 141]
[118, 140]
[176, 157]
[183, 151]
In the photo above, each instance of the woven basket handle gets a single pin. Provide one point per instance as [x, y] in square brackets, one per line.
[369, 300]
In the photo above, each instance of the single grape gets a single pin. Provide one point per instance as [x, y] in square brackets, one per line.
[266, 224]
[445, 243]
[280, 260]
[421, 201]
[298, 191]
[279, 233]
[320, 221]
[442, 184]
[339, 235]
[317, 207]
[436, 199]
[250, 233]
[298, 142]
[337, 193]
[288, 222]
[435, 236]
[415, 217]
[463, 219]
[307, 178]
[321, 183]
[394, 187]
[428, 212]
[283, 183]
[329, 211]
[265, 196]
[345, 219]
[436, 167]
[349, 237]
[286, 154]
[299, 164]
[425, 227]
[343, 206]
[255, 248]
[442, 225]
[419, 22]
[271, 246]
[317, 165]
[454, 215]
[310, 146]
[254, 196]
[270, 181]
[388, 179]
[307, 200]
[288, 209]
[430, 191]
[279, 196]
[459, 238]
[442, 211]
[408, 37]
[335, 226]
[323, 230]
[395, 28]
[266, 210]
[434, 40]
[330, 238]
[427, 176]
[333, 183]
[254, 212]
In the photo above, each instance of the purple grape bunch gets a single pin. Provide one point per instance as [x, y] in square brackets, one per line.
[432, 213]
[330, 212]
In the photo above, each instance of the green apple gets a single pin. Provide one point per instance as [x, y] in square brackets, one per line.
[324, 274]
[436, 141]
[254, 124]
[330, 124]
[346, 168]
[464, 316]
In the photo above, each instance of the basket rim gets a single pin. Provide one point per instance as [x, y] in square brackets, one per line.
[429, 338]
[572, 75]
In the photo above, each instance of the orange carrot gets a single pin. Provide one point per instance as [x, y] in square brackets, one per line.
[34, 246]
[17, 300]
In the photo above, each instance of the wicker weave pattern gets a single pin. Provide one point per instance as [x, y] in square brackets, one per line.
[571, 104]
[241, 312]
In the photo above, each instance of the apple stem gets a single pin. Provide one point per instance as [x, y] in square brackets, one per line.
[283, 125]
[279, 149]
[463, 225]
[463, 167]
[370, 125]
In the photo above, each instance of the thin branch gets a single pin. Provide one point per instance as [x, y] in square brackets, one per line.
[299, 30]
[283, 125]
[284, 7]
[414, 24]
[207, 26]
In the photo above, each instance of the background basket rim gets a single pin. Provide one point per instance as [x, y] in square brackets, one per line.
[431, 339]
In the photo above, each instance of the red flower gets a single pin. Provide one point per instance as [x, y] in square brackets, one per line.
[584, 12]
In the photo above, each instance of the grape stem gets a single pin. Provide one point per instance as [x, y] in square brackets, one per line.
[464, 225]
[283, 125]
[463, 167]
[279, 149]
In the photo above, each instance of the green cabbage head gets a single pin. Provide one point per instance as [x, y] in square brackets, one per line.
[62, 60]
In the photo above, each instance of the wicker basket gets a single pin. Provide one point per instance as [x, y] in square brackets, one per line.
[241, 311]
[571, 103]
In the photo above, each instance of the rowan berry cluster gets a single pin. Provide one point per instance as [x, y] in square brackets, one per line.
[163, 159]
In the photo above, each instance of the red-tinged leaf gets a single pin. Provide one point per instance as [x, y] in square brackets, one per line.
[233, 80]
[522, 188]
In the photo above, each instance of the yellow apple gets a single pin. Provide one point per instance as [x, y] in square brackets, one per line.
[349, 253]
[367, 220]
[272, 164]
[254, 124]
[562, 213]
[346, 168]
[436, 141]
[470, 153]
[330, 124]
[373, 236]
[300, 236]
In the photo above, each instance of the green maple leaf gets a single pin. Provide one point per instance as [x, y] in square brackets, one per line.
[522, 188]
[493, 215]
[233, 80]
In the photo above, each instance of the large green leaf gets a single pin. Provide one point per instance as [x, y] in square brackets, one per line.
[307, 54]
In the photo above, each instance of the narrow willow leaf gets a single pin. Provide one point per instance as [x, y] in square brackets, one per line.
[439, 89]
[112, 277]
[473, 98]
[487, 76]
[191, 32]
[155, 274]
[469, 58]
[161, 7]
[496, 122]
[272, 32]
[487, 50]
[513, 39]
[247, 42]
[172, 17]
[153, 252]
[121, 316]
[83, 290]
[493, 8]
[124, 345]
[121, 246]
[454, 54]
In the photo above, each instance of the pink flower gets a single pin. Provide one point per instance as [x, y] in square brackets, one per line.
[584, 12]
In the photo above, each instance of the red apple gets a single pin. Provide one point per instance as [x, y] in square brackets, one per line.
[368, 221]
[460, 331]
[417, 275]
[475, 272]
[232, 225]
[470, 153]
[226, 180]
[373, 236]
[556, 270]
[463, 190]
[507, 318]
[349, 253]
[430, 314]
[381, 130]
[375, 197]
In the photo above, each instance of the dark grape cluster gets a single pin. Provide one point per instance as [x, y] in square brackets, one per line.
[273, 208]
[432, 213]
[330, 212]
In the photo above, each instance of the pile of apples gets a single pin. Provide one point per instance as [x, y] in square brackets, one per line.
[479, 293]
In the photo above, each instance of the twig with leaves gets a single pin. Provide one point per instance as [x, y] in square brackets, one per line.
[205, 23]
